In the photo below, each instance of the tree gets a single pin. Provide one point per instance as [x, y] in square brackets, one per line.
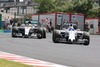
[38, 1]
[94, 12]
[69, 7]
[51, 5]
[59, 5]
[83, 6]
[45, 6]
[87, 7]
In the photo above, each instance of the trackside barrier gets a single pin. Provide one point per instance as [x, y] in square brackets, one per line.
[1, 31]
[5, 31]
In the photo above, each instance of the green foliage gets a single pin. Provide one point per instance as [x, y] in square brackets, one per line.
[38, 1]
[6, 63]
[88, 7]
[69, 7]
[94, 11]
[50, 6]
[59, 5]
[45, 6]
[83, 6]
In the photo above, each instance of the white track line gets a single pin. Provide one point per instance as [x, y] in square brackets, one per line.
[28, 61]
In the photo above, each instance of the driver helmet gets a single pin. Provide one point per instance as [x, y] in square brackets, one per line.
[29, 22]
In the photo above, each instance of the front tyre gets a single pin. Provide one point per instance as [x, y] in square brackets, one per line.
[14, 34]
[56, 37]
[86, 40]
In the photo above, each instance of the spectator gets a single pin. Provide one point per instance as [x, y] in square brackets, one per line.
[77, 23]
[7, 22]
[86, 27]
[51, 22]
[11, 20]
[48, 24]
[9, 26]
[99, 26]
[51, 25]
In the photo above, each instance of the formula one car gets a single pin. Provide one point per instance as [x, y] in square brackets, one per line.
[70, 34]
[28, 30]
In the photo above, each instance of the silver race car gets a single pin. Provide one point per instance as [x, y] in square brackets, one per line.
[71, 34]
[28, 30]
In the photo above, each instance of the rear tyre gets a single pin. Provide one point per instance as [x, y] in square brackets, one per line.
[39, 34]
[44, 34]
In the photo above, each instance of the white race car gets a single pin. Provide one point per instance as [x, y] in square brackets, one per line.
[71, 35]
[28, 30]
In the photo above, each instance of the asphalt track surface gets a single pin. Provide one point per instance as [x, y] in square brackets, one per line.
[73, 55]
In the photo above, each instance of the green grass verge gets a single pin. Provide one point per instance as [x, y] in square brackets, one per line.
[6, 63]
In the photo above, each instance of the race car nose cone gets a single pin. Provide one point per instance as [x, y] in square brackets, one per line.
[72, 40]
[72, 36]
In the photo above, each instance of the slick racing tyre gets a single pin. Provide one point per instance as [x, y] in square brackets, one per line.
[56, 37]
[13, 34]
[39, 34]
[86, 39]
[44, 34]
